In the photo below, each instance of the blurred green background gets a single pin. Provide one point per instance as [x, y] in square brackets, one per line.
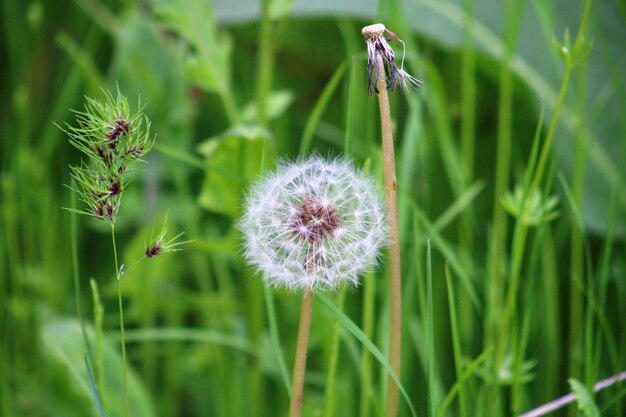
[516, 314]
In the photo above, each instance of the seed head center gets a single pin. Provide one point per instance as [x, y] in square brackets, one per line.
[314, 220]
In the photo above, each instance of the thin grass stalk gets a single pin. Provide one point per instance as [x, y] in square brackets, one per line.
[576, 247]
[456, 347]
[468, 117]
[76, 274]
[501, 184]
[98, 316]
[521, 229]
[366, 357]
[121, 314]
[394, 265]
[299, 367]
[265, 63]
[331, 375]
[570, 65]
[430, 335]
[275, 338]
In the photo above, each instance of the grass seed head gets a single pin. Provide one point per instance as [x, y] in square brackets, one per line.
[110, 137]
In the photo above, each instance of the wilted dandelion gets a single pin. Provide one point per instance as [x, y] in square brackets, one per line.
[383, 75]
[378, 48]
[313, 224]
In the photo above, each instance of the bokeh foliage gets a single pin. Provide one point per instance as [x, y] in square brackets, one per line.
[229, 90]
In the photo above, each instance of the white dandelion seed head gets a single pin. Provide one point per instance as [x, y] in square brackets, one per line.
[313, 224]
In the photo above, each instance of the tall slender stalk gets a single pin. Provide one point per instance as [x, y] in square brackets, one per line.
[265, 63]
[572, 57]
[395, 283]
[366, 357]
[331, 376]
[299, 366]
[121, 313]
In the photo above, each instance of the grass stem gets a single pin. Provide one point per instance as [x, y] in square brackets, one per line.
[121, 312]
[331, 376]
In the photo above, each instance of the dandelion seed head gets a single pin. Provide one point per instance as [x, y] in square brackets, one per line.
[323, 224]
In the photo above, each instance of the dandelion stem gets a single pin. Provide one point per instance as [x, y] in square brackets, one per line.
[395, 283]
[121, 311]
[299, 367]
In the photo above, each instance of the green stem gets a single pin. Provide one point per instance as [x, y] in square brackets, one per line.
[570, 64]
[335, 344]
[430, 335]
[468, 116]
[366, 357]
[576, 248]
[76, 274]
[395, 279]
[275, 338]
[497, 327]
[521, 229]
[121, 312]
[265, 64]
[299, 366]
[98, 314]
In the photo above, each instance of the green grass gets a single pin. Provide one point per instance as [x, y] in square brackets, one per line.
[503, 305]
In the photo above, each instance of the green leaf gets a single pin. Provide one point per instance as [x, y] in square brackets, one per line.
[584, 398]
[351, 327]
[199, 74]
[232, 160]
[280, 8]
[62, 341]
[277, 103]
[194, 21]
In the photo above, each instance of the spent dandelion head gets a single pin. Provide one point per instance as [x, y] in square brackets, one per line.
[110, 137]
[378, 48]
[313, 224]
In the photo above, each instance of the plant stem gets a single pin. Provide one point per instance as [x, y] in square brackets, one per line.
[121, 311]
[299, 366]
[265, 63]
[395, 282]
[76, 275]
[335, 345]
[366, 357]
[570, 398]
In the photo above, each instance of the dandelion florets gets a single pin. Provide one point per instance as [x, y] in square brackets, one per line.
[313, 224]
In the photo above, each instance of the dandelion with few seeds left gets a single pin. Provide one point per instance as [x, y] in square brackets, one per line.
[384, 74]
[378, 49]
[312, 225]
